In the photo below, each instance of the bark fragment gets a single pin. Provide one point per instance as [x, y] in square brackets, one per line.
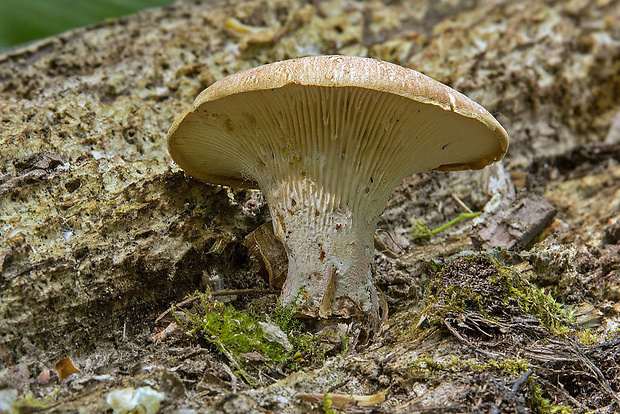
[516, 225]
[269, 254]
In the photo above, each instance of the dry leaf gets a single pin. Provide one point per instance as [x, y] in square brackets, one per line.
[65, 367]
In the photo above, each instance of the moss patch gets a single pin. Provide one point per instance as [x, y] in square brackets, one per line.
[540, 404]
[428, 367]
[239, 337]
[28, 403]
[232, 331]
[481, 284]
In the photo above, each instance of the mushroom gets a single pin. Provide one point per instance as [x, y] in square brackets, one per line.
[327, 139]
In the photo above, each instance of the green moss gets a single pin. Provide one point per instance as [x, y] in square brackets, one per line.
[284, 316]
[612, 335]
[427, 367]
[235, 333]
[232, 331]
[29, 403]
[511, 366]
[327, 404]
[308, 351]
[541, 405]
[587, 337]
[537, 301]
[480, 283]
[307, 347]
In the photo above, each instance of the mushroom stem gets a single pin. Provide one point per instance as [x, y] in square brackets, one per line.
[330, 252]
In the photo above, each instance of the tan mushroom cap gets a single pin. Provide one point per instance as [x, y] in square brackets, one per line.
[435, 127]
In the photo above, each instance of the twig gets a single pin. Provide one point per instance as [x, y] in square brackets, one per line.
[607, 344]
[233, 361]
[519, 383]
[181, 304]
[468, 342]
[389, 233]
[574, 351]
[598, 374]
[4, 356]
[385, 249]
[458, 200]
[384, 306]
[233, 377]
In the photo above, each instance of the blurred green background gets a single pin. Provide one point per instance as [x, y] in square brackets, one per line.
[27, 20]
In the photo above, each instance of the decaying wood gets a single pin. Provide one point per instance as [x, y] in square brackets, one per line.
[515, 225]
[100, 233]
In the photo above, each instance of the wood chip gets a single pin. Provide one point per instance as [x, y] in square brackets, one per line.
[269, 254]
[513, 226]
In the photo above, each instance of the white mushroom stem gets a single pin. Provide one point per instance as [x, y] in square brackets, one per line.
[330, 250]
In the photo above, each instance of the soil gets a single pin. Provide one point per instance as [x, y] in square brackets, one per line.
[101, 234]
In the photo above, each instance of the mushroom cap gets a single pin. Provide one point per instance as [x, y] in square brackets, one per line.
[213, 139]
